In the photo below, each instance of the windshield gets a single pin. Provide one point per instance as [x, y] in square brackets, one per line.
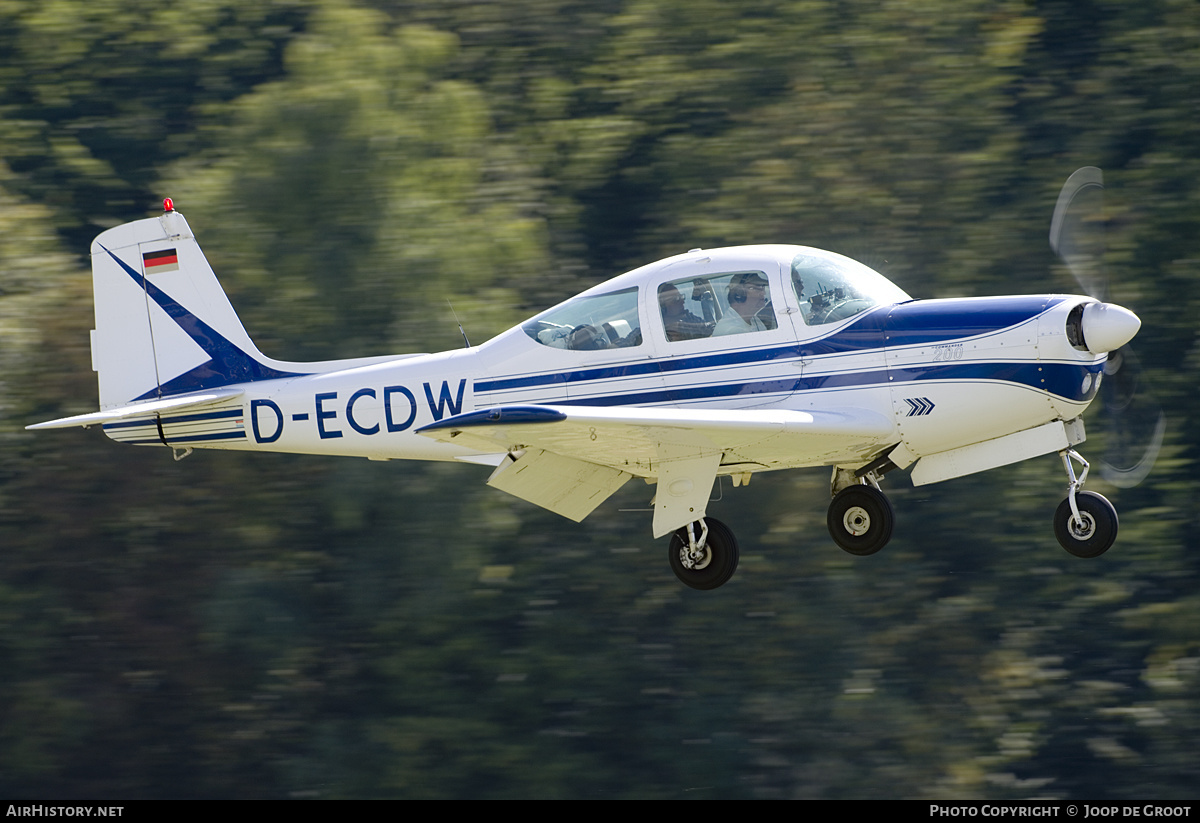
[830, 287]
[602, 321]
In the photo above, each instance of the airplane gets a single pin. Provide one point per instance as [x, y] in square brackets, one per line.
[709, 364]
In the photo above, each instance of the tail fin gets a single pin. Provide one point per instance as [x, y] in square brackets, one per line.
[163, 323]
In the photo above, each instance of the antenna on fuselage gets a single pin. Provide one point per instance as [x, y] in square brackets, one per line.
[459, 322]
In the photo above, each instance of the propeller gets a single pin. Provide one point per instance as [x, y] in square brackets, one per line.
[1136, 423]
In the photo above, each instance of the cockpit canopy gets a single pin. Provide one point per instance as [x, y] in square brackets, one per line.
[700, 298]
[830, 287]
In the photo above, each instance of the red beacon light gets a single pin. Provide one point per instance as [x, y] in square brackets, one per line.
[168, 205]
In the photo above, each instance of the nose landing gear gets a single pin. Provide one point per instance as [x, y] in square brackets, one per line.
[1085, 523]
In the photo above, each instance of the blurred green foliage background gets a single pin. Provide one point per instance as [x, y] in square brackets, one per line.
[275, 626]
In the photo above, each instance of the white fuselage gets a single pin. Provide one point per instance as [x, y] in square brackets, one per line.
[948, 373]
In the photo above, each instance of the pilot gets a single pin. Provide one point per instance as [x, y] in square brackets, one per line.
[587, 338]
[680, 324]
[750, 306]
[604, 336]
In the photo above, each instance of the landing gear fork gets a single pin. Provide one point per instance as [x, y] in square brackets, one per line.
[703, 554]
[1085, 523]
[697, 556]
[1076, 484]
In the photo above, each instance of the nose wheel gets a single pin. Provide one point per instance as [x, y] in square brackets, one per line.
[1093, 532]
[1085, 523]
[704, 554]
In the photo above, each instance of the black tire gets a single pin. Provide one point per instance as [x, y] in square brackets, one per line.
[860, 520]
[718, 564]
[1099, 530]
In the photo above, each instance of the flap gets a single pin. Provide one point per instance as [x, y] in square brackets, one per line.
[572, 488]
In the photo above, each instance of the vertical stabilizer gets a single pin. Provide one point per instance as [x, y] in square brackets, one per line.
[163, 323]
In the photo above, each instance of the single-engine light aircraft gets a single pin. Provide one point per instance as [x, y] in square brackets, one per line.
[713, 363]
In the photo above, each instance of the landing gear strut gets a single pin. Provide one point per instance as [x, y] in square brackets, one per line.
[704, 554]
[1085, 523]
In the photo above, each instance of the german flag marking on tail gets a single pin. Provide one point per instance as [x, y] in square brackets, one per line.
[155, 262]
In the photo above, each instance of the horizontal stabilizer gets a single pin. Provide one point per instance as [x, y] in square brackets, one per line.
[176, 403]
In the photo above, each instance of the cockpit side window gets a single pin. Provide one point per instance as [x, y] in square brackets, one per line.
[829, 289]
[590, 323]
[716, 305]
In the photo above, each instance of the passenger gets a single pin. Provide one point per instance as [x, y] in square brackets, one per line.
[679, 323]
[750, 306]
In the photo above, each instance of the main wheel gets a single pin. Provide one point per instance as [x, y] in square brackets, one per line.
[1096, 534]
[860, 520]
[712, 564]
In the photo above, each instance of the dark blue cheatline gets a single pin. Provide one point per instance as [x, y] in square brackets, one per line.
[185, 418]
[904, 324]
[1062, 379]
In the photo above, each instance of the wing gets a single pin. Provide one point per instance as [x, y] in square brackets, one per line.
[570, 459]
[176, 403]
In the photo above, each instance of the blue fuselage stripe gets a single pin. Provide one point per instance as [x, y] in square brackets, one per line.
[1061, 379]
[198, 438]
[186, 418]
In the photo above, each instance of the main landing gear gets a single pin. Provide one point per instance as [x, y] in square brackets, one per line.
[860, 520]
[1085, 523]
[703, 554]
